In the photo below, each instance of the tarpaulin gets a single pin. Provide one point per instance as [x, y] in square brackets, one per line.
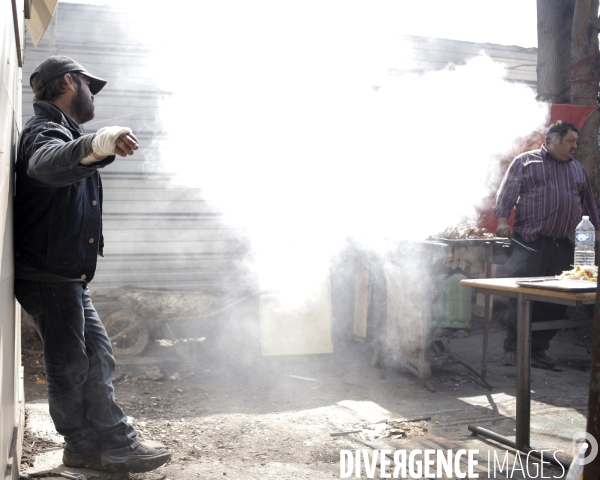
[575, 114]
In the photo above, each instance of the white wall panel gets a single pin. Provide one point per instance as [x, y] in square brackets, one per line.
[11, 407]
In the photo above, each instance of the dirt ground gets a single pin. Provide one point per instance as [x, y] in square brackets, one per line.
[225, 411]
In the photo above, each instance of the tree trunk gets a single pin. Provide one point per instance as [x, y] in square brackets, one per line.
[584, 91]
[554, 49]
[583, 76]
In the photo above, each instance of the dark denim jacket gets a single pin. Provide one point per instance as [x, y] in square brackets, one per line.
[58, 201]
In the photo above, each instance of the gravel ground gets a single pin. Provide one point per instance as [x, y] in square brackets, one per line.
[227, 412]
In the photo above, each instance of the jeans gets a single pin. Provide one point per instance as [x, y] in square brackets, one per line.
[79, 367]
[545, 257]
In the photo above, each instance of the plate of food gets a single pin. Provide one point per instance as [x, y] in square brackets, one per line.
[585, 273]
[579, 278]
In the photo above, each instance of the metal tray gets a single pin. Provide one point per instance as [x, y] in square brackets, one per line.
[470, 242]
[558, 284]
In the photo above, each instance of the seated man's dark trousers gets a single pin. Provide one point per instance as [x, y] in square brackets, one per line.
[79, 367]
[540, 258]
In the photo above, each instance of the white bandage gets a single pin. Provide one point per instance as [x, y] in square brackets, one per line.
[104, 143]
[90, 159]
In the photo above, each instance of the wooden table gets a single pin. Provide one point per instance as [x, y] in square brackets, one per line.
[525, 295]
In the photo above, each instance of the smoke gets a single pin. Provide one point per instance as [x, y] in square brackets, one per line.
[275, 118]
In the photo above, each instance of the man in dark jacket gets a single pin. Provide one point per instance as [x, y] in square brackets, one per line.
[58, 237]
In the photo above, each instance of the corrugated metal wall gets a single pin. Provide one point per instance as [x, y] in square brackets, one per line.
[425, 54]
[11, 382]
[155, 235]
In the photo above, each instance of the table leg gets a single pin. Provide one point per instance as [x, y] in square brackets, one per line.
[523, 372]
[487, 314]
[486, 320]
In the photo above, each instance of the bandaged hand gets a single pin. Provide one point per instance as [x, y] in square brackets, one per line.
[111, 141]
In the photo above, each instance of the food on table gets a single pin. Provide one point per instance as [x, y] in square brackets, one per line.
[580, 272]
[465, 232]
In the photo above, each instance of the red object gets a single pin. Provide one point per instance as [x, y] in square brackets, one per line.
[489, 222]
[575, 114]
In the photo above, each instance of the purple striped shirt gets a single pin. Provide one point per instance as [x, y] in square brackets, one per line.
[550, 196]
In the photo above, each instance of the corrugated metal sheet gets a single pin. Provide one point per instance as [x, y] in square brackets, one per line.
[422, 54]
[156, 235]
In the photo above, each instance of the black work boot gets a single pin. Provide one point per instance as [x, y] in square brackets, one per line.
[509, 359]
[78, 460]
[143, 458]
[543, 359]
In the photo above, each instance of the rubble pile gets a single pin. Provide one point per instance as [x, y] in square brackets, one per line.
[392, 428]
[407, 429]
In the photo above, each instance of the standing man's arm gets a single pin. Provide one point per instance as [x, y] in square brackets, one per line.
[111, 141]
[589, 208]
[58, 160]
[507, 196]
[54, 156]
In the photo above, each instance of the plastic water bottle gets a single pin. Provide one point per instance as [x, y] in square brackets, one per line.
[585, 239]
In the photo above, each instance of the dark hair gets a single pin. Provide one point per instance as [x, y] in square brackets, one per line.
[560, 129]
[54, 88]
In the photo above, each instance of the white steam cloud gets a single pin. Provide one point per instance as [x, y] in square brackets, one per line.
[274, 116]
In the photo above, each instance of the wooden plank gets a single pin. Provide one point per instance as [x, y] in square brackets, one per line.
[510, 288]
[17, 31]
[361, 300]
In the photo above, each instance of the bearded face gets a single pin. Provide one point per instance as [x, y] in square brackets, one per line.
[82, 104]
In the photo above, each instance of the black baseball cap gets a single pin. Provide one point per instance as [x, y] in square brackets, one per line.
[56, 66]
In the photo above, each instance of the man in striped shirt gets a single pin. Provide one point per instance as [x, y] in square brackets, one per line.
[551, 192]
